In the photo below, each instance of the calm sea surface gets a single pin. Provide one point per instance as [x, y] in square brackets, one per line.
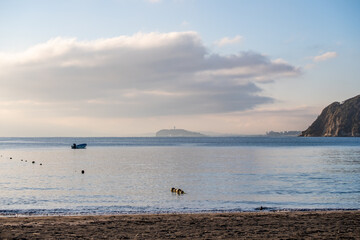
[135, 175]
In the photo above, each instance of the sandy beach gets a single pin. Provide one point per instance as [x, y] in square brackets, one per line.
[253, 225]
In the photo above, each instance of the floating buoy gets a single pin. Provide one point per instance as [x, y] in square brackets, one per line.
[178, 191]
[40, 164]
[33, 162]
[10, 157]
[82, 171]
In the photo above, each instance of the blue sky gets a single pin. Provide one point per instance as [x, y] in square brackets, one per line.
[241, 67]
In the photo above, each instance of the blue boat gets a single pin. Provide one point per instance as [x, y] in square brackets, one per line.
[79, 146]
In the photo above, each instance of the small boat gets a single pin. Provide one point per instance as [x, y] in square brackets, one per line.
[79, 146]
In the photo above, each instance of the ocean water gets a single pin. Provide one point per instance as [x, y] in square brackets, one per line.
[135, 175]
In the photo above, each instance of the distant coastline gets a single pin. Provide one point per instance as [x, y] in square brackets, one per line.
[185, 133]
[178, 133]
[283, 134]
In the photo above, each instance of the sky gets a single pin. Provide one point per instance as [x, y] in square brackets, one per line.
[102, 68]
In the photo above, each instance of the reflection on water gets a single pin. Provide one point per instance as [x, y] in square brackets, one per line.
[138, 179]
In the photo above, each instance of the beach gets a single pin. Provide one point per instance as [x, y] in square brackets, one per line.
[239, 225]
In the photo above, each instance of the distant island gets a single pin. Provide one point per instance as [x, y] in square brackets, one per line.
[283, 134]
[178, 133]
[337, 120]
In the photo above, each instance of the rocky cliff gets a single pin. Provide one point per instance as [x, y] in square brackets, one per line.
[177, 133]
[337, 120]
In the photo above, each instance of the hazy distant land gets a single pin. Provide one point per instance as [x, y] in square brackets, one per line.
[283, 134]
[178, 133]
[187, 133]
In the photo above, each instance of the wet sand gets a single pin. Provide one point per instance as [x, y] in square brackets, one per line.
[254, 225]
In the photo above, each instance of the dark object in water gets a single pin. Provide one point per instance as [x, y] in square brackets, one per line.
[40, 164]
[263, 208]
[33, 162]
[10, 157]
[82, 171]
[78, 146]
[178, 191]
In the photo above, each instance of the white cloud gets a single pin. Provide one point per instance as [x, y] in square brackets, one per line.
[325, 56]
[226, 40]
[144, 75]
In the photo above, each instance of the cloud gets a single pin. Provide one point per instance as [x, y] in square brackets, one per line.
[226, 40]
[325, 56]
[143, 75]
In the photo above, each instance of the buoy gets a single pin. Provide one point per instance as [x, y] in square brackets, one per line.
[82, 171]
[10, 157]
[178, 191]
[33, 162]
[40, 164]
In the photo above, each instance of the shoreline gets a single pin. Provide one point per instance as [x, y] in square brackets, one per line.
[260, 209]
[226, 225]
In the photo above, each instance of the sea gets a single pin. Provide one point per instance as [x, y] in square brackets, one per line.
[43, 176]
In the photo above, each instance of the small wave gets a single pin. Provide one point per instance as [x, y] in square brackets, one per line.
[144, 210]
